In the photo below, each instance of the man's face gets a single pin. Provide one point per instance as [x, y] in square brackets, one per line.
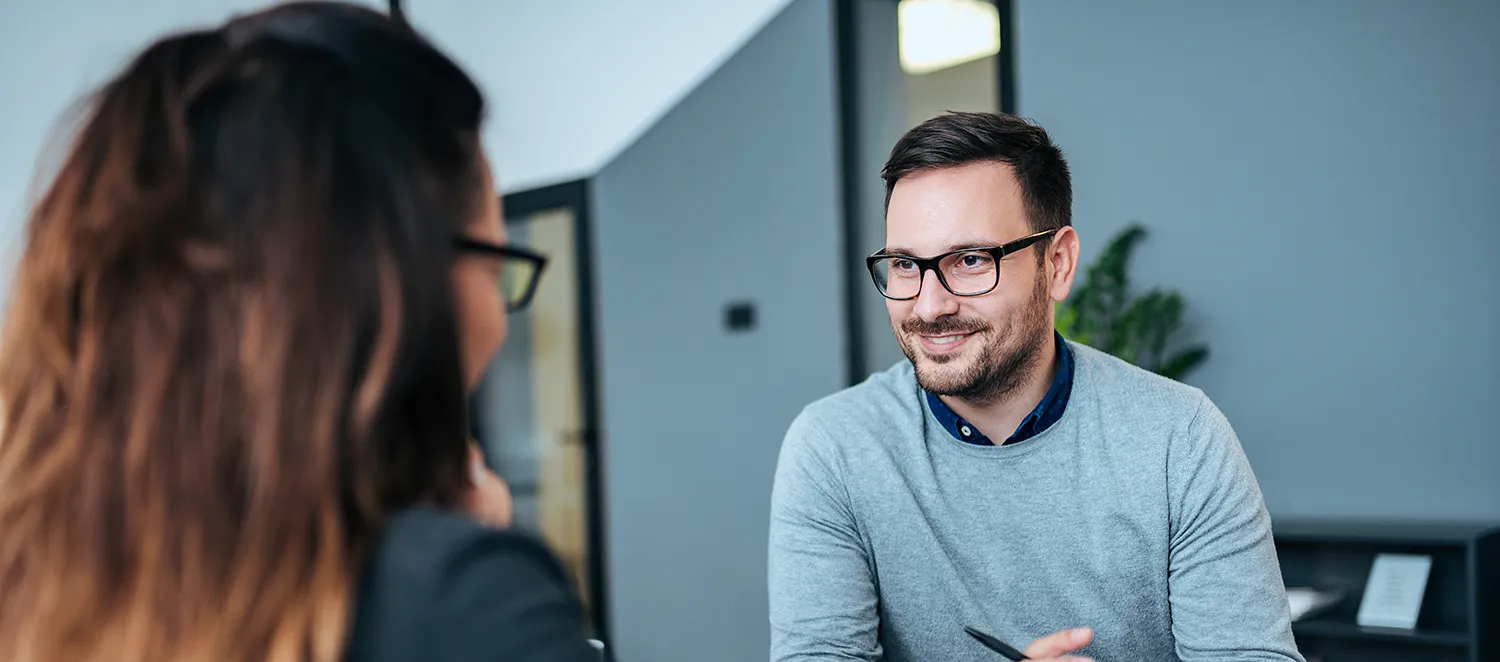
[978, 348]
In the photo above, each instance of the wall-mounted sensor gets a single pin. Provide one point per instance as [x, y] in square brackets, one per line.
[739, 316]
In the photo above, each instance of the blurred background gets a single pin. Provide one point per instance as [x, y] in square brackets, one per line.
[1317, 183]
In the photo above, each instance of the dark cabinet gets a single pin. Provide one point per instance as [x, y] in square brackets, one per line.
[1459, 619]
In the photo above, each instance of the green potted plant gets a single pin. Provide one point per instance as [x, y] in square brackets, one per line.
[1102, 313]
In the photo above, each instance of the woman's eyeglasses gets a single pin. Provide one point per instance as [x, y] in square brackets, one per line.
[519, 271]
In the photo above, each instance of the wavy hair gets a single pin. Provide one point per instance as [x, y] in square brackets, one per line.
[231, 352]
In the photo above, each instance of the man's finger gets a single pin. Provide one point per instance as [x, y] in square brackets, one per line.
[1059, 644]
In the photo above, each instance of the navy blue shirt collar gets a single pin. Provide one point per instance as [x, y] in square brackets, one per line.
[1051, 408]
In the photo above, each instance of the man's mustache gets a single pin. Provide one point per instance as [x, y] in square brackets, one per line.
[945, 326]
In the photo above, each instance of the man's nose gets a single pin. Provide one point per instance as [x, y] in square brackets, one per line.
[934, 300]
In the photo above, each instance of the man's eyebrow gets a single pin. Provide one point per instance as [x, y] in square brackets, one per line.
[968, 245]
[972, 245]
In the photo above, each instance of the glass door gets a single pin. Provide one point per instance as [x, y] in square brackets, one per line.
[534, 414]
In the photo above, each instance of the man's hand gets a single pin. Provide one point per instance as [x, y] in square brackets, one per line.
[489, 501]
[1054, 646]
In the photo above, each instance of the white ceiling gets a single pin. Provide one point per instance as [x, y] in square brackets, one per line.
[570, 82]
[573, 82]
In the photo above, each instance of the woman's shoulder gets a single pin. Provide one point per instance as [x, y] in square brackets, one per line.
[441, 586]
[425, 544]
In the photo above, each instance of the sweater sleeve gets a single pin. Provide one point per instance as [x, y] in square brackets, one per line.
[822, 588]
[1227, 599]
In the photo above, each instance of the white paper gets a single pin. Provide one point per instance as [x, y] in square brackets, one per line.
[1303, 602]
[1393, 596]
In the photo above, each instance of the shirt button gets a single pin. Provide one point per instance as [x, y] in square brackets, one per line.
[965, 429]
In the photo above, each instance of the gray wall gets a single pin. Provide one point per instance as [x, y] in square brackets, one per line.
[733, 195]
[970, 86]
[1321, 182]
[883, 117]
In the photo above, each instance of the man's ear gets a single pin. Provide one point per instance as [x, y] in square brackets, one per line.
[1062, 262]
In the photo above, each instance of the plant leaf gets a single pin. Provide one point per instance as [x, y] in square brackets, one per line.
[1109, 285]
[1183, 362]
[1101, 313]
[1065, 319]
[1166, 319]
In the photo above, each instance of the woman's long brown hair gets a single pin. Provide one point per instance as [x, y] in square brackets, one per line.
[230, 354]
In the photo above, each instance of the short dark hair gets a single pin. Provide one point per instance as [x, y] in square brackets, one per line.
[955, 139]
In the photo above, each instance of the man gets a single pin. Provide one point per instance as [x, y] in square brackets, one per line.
[1004, 479]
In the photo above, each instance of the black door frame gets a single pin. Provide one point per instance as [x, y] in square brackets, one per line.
[519, 206]
[847, 52]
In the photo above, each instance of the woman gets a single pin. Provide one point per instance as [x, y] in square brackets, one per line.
[251, 306]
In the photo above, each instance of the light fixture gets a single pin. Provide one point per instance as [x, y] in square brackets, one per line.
[937, 34]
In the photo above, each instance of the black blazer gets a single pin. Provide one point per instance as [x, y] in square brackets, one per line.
[443, 588]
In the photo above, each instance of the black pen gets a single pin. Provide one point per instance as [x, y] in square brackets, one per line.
[996, 645]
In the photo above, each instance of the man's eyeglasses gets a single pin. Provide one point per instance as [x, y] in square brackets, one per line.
[519, 271]
[968, 272]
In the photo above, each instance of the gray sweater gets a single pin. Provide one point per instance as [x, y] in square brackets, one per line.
[1135, 514]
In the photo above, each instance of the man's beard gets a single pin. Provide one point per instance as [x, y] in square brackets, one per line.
[997, 371]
